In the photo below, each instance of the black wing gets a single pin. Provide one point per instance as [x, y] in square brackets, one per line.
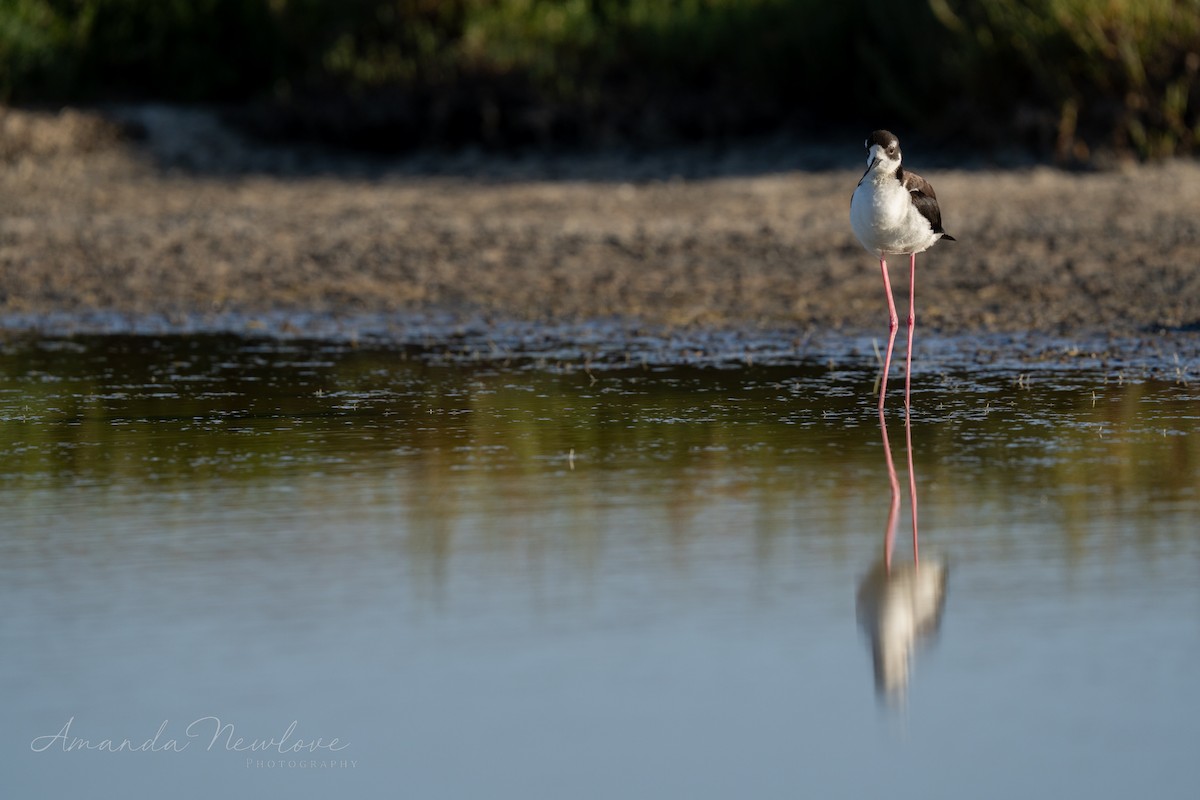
[925, 199]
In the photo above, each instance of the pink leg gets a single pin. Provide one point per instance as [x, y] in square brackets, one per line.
[912, 326]
[889, 536]
[893, 324]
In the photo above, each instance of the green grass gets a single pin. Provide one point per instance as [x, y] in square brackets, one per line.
[1066, 76]
[1120, 73]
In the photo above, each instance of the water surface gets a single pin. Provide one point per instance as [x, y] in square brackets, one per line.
[492, 575]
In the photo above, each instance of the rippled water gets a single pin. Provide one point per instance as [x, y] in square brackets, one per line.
[494, 576]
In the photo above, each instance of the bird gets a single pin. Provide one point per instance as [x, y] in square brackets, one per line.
[895, 211]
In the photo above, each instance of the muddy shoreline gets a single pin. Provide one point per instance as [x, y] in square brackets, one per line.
[185, 222]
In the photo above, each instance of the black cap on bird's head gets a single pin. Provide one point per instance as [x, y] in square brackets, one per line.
[882, 138]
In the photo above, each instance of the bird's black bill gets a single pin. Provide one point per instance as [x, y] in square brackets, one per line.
[869, 165]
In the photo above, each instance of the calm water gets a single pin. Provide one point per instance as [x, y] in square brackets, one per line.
[529, 578]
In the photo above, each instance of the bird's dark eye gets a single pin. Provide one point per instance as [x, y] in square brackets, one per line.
[891, 149]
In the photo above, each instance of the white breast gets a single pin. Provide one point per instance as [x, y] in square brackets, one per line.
[886, 221]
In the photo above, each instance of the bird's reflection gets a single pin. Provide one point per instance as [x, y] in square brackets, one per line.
[899, 604]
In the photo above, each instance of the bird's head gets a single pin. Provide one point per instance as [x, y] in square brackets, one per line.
[883, 152]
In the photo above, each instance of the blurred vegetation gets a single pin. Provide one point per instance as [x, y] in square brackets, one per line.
[1063, 76]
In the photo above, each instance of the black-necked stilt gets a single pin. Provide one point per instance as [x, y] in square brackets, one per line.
[895, 212]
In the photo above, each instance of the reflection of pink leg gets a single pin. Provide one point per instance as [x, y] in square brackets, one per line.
[889, 536]
[912, 485]
[912, 326]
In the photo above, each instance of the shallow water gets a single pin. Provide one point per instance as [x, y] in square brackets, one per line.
[503, 576]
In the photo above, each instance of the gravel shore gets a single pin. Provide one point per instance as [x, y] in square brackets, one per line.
[184, 218]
